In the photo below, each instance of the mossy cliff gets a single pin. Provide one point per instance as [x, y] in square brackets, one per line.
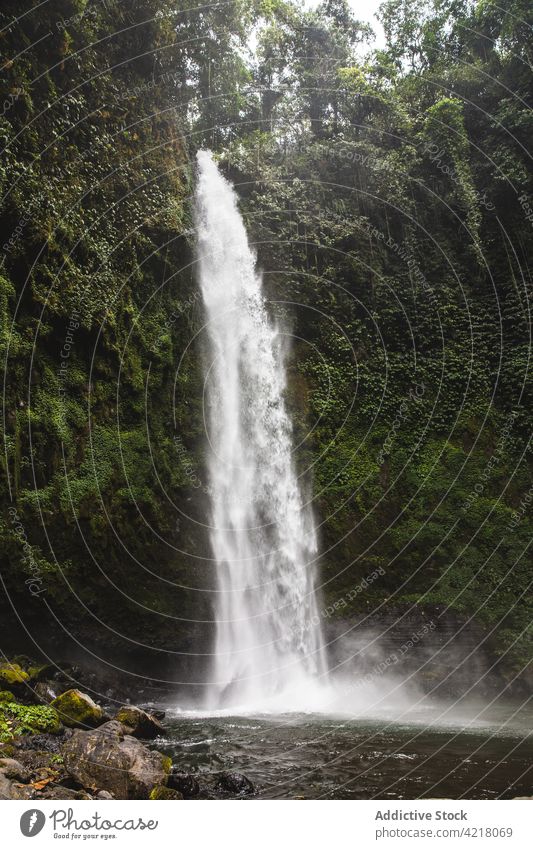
[96, 298]
[390, 199]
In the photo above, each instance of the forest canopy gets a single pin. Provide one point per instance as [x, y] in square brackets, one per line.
[388, 195]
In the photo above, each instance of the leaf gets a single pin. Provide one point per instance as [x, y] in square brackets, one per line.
[38, 785]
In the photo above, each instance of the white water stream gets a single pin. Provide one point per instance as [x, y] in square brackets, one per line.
[268, 649]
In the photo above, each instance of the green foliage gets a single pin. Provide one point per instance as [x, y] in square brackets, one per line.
[95, 178]
[377, 190]
[16, 720]
[383, 192]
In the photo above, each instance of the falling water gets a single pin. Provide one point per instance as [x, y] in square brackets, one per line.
[269, 648]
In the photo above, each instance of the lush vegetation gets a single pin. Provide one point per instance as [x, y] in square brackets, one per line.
[389, 194]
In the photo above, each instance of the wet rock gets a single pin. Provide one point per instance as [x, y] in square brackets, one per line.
[45, 691]
[234, 783]
[14, 770]
[185, 783]
[153, 711]
[43, 742]
[108, 759]
[59, 791]
[77, 709]
[139, 723]
[13, 677]
[161, 792]
[104, 794]
[39, 672]
[6, 787]
[11, 773]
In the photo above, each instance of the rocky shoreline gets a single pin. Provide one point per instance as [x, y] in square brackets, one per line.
[64, 745]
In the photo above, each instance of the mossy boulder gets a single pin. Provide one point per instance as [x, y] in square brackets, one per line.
[40, 672]
[18, 719]
[161, 792]
[139, 723]
[77, 709]
[12, 674]
[6, 696]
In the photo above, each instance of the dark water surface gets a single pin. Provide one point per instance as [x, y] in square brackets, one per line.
[314, 756]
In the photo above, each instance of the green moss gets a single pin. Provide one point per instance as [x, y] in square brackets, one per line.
[6, 696]
[167, 763]
[160, 793]
[12, 673]
[126, 716]
[18, 719]
[77, 709]
[36, 673]
[7, 750]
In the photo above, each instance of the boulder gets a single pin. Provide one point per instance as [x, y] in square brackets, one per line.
[12, 674]
[139, 723]
[58, 791]
[6, 787]
[234, 783]
[11, 772]
[6, 696]
[77, 709]
[184, 783]
[42, 743]
[45, 691]
[108, 759]
[14, 770]
[161, 793]
[157, 713]
[39, 672]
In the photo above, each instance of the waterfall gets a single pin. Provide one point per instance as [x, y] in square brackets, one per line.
[268, 645]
